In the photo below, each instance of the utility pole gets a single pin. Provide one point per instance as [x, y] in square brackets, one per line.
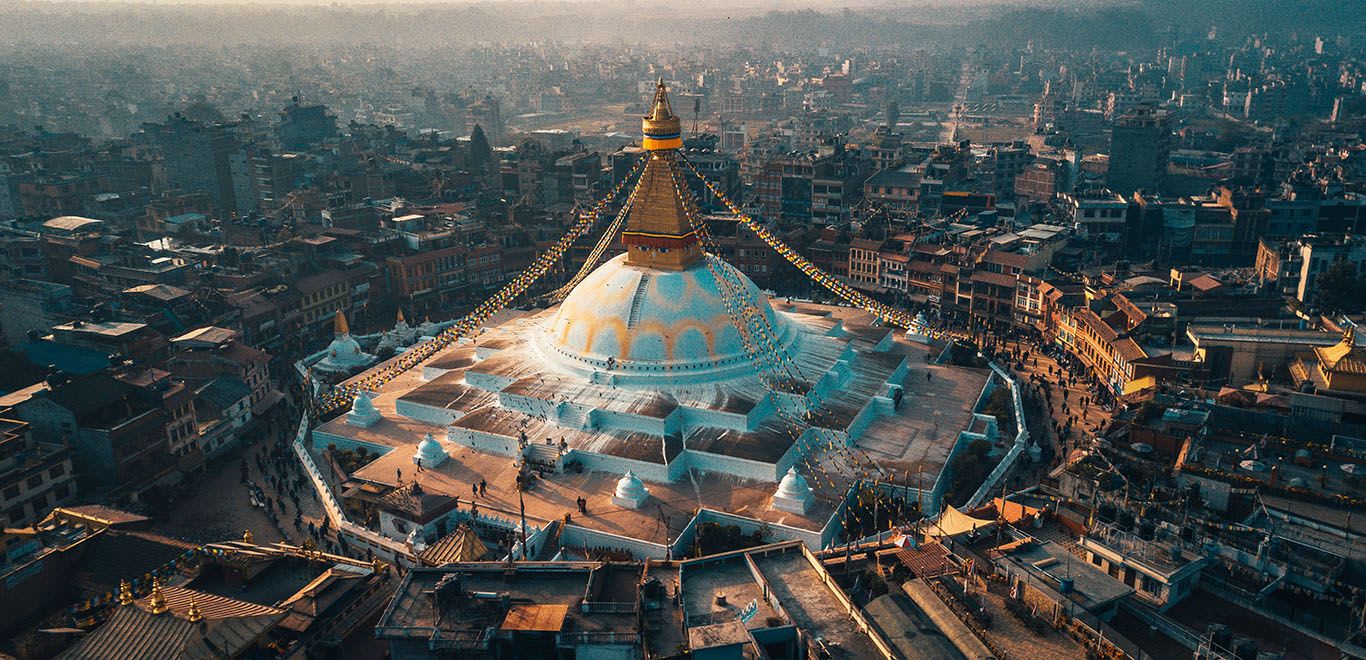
[521, 503]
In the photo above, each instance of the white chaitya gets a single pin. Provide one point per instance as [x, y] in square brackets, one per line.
[793, 494]
[402, 332]
[363, 412]
[631, 492]
[920, 329]
[343, 354]
[429, 453]
[388, 343]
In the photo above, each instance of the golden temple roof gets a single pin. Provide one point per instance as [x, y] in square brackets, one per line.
[1343, 357]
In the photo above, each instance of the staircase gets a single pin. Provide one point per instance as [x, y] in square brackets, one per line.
[574, 417]
[541, 455]
[642, 288]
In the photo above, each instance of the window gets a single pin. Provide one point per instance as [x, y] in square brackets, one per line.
[12, 492]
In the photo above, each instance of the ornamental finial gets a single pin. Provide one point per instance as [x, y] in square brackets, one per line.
[158, 598]
[661, 127]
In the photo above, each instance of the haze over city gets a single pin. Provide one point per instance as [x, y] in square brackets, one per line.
[622, 330]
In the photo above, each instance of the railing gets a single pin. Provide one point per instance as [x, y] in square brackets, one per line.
[1021, 441]
[457, 640]
[604, 607]
[572, 639]
[1164, 625]
[335, 514]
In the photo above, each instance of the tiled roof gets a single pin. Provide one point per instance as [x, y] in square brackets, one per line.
[1343, 358]
[132, 633]
[928, 560]
[460, 545]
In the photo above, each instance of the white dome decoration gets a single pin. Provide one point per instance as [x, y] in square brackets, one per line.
[415, 541]
[631, 492]
[387, 342]
[919, 331]
[363, 412]
[428, 329]
[404, 333]
[656, 328]
[429, 453]
[343, 354]
[793, 494]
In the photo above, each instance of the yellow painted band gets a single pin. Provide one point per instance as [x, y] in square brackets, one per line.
[652, 235]
[668, 143]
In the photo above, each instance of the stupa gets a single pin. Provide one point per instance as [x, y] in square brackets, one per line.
[363, 412]
[404, 333]
[667, 366]
[630, 493]
[343, 354]
[430, 453]
[793, 494]
[920, 329]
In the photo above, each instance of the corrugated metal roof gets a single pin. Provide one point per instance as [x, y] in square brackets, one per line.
[538, 618]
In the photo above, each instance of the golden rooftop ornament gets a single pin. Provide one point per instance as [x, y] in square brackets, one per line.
[158, 598]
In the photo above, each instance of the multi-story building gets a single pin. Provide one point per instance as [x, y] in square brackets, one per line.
[1101, 217]
[897, 189]
[134, 341]
[820, 186]
[1140, 147]
[1104, 336]
[120, 433]
[207, 157]
[34, 476]
[303, 126]
[1008, 161]
[1044, 179]
[432, 279]
[1299, 263]
[865, 263]
[32, 306]
[209, 353]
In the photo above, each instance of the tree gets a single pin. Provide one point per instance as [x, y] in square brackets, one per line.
[480, 153]
[1340, 289]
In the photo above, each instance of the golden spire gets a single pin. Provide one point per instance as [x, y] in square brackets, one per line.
[339, 324]
[663, 131]
[125, 593]
[193, 615]
[158, 598]
[400, 316]
[248, 537]
[659, 230]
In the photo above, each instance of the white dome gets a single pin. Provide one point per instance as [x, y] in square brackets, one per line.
[629, 485]
[793, 485]
[430, 453]
[344, 354]
[657, 324]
